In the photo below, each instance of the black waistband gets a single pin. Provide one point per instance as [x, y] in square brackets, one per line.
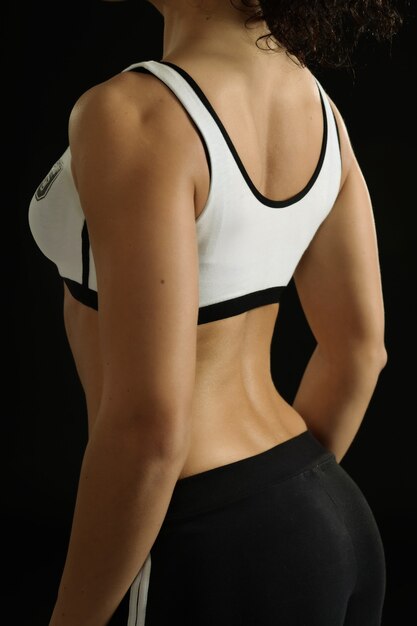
[215, 487]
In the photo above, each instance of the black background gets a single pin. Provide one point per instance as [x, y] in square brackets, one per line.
[54, 52]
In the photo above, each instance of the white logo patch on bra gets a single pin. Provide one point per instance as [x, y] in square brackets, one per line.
[46, 184]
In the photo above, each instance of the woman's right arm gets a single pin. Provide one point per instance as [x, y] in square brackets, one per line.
[137, 196]
[338, 282]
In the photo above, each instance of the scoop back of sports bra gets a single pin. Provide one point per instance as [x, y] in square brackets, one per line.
[249, 245]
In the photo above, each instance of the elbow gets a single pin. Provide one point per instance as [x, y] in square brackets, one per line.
[371, 355]
[375, 356]
[154, 434]
[170, 439]
[383, 357]
[165, 437]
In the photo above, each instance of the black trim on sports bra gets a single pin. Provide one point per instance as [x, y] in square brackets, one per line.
[337, 131]
[235, 306]
[263, 199]
[82, 293]
[85, 254]
[209, 313]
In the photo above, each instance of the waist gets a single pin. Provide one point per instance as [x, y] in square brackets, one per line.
[236, 427]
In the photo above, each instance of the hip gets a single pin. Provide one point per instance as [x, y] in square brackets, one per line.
[282, 536]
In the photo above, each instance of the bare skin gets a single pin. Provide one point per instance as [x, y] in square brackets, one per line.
[237, 410]
[166, 398]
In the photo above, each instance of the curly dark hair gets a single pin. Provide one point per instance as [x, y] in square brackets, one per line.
[323, 32]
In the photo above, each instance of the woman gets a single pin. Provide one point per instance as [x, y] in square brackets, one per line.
[193, 189]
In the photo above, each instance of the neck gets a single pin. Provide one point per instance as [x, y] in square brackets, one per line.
[215, 29]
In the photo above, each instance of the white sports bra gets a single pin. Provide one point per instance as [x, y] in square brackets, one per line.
[249, 245]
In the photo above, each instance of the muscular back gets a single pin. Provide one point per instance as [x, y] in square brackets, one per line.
[236, 409]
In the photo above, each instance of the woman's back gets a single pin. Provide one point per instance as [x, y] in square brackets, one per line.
[275, 123]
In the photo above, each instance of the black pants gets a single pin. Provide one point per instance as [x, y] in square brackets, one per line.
[281, 538]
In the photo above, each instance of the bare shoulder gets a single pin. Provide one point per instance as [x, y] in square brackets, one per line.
[129, 103]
